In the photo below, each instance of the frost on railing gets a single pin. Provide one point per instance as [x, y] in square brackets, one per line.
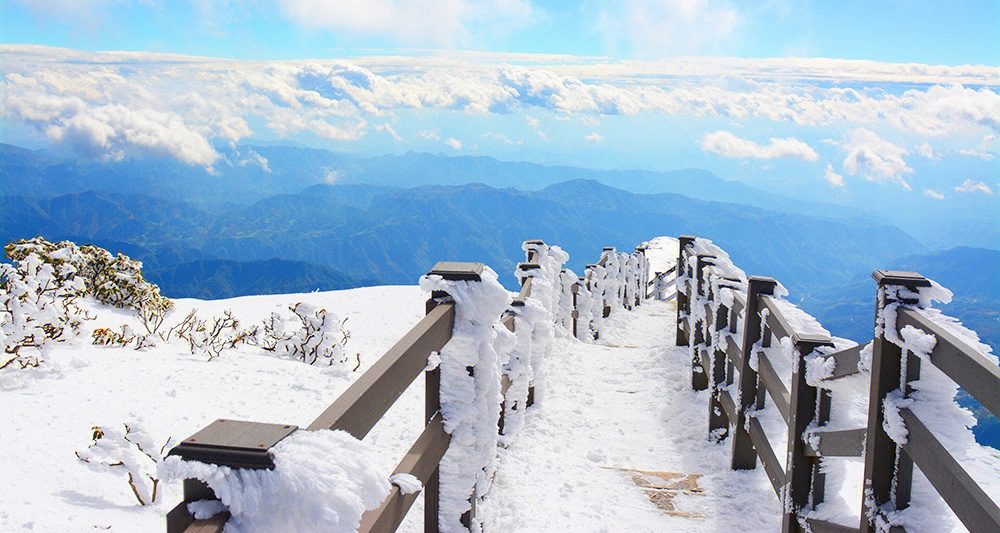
[470, 391]
[937, 354]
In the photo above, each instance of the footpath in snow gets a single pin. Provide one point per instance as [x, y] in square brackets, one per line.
[619, 444]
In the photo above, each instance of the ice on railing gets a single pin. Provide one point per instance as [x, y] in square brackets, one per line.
[321, 481]
[933, 403]
[470, 390]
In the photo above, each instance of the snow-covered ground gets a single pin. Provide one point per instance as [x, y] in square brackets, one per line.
[47, 414]
[620, 444]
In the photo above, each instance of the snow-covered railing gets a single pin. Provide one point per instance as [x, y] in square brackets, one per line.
[482, 353]
[902, 421]
[729, 321]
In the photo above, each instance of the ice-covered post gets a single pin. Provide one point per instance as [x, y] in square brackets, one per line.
[718, 422]
[467, 381]
[884, 459]
[806, 404]
[699, 375]
[683, 299]
[744, 456]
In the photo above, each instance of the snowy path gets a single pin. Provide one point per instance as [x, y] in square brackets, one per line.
[616, 418]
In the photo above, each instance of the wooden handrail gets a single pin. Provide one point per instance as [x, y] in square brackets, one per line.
[363, 403]
[970, 503]
[959, 361]
[420, 461]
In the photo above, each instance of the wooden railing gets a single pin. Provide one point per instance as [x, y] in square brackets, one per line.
[240, 444]
[799, 480]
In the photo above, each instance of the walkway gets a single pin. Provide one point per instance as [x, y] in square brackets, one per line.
[618, 444]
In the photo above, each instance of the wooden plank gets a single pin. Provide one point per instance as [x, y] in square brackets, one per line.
[524, 294]
[728, 405]
[367, 399]
[420, 461]
[846, 361]
[508, 321]
[763, 449]
[802, 471]
[842, 443]
[775, 387]
[733, 352]
[959, 361]
[457, 271]
[744, 457]
[779, 325]
[822, 526]
[970, 503]
[739, 302]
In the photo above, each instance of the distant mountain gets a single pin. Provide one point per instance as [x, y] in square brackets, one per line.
[215, 279]
[395, 235]
[970, 273]
[246, 174]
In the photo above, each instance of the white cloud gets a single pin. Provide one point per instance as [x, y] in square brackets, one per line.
[429, 134]
[832, 177]
[331, 176]
[253, 158]
[659, 28]
[726, 144]
[500, 137]
[974, 186]
[594, 137]
[532, 121]
[874, 158]
[412, 21]
[927, 151]
[933, 194]
[454, 143]
[386, 127]
[175, 105]
[976, 153]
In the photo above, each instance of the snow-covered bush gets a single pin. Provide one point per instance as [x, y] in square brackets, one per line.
[209, 338]
[114, 280]
[129, 451]
[37, 305]
[313, 335]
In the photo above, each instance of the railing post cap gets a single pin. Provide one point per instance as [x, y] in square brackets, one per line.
[535, 242]
[528, 266]
[608, 248]
[898, 277]
[811, 338]
[592, 265]
[762, 279]
[234, 443]
[457, 271]
[686, 239]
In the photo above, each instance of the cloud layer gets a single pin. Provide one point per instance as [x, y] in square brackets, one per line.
[120, 104]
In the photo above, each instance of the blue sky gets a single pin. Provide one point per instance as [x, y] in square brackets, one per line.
[929, 32]
[837, 100]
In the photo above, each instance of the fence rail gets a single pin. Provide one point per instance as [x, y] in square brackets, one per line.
[367, 399]
[708, 326]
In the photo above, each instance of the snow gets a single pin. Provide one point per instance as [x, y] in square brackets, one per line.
[470, 391]
[407, 483]
[616, 409]
[47, 413]
[321, 481]
[620, 441]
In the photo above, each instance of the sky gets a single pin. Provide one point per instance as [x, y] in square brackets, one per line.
[831, 99]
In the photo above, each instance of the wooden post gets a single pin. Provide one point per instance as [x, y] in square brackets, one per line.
[575, 289]
[682, 298]
[432, 404]
[699, 374]
[803, 407]
[744, 456]
[718, 422]
[882, 456]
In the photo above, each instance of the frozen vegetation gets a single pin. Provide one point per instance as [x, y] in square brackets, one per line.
[103, 375]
